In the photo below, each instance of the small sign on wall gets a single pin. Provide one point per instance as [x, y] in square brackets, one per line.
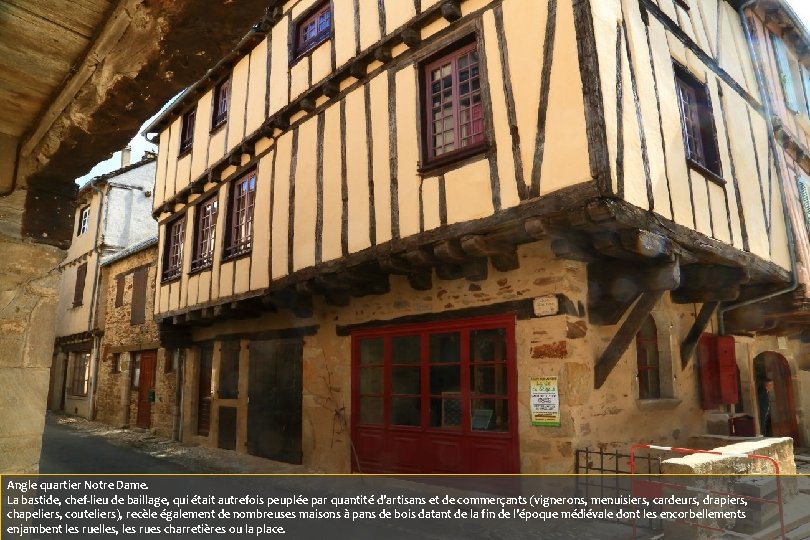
[545, 306]
[545, 401]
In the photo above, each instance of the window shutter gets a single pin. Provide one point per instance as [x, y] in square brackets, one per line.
[806, 86]
[707, 366]
[138, 304]
[785, 74]
[719, 378]
[804, 196]
[78, 292]
[727, 370]
[119, 290]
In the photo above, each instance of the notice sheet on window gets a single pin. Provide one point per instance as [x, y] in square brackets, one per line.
[545, 401]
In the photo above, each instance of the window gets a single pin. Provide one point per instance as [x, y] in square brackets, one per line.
[313, 30]
[697, 121]
[81, 374]
[240, 216]
[806, 89]
[84, 220]
[221, 97]
[115, 363]
[173, 251]
[138, 303]
[206, 224]
[78, 291]
[120, 286]
[649, 375]
[786, 77]
[804, 195]
[455, 379]
[453, 111]
[187, 132]
[135, 380]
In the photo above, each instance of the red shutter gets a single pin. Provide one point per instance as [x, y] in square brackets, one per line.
[707, 364]
[727, 370]
[718, 371]
[138, 304]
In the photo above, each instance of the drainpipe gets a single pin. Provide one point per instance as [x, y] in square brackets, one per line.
[766, 104]
[91, 320]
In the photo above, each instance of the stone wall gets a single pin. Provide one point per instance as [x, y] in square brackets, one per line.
[27, 308]
[565, 345]
[117, 401]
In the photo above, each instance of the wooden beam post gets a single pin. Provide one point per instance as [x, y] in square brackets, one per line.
[690, 343]
[626, 334]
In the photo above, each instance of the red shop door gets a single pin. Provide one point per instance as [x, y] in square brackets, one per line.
[146, 386]
[436, 398]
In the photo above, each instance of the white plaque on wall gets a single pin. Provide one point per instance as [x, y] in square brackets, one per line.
[545, 306]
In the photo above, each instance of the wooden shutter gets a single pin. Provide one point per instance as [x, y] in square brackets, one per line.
[78, 292]
[120, 281]
[727, 370]
[806, 87]
[785, 73]
[804, 196]
[719, 378]
[138, 304]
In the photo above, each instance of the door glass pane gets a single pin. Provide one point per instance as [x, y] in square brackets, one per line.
[371, 410]
[405, 411]
[488, 345]
[371, 381]
[371, 351]
[489, 415]
[488, 379]
[445, 348]
[406, 349]
[406, 380]
[445, 412]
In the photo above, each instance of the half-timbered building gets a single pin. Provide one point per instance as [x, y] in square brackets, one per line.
[468, 235]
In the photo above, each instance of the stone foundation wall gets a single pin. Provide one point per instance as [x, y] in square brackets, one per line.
[565, 345]
[27, 319]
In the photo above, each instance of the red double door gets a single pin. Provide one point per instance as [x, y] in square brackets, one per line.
[436, 398]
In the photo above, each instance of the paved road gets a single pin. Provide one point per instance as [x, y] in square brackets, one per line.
[66, 450]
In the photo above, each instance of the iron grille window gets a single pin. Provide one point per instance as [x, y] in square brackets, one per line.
[81, 374]
[649, 374]
[221, 98]
[240, 216]
[187, 132]
[206, 224]
[173, 252]
[313, 29]
[453, 113]
[115, 363]
[804, 195]
[84, 220]
[135, 378]
[697, 121]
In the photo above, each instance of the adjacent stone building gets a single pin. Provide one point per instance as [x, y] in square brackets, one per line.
[113, 213]
[137, 379]
[469, 236]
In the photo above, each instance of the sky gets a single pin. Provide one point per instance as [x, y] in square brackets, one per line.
[140, 145]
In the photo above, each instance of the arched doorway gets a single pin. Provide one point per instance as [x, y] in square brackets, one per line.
[772, 367]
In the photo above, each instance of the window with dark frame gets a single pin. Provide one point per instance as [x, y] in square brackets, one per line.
[187, 131]
[173, 250]
[81, 374]
[115, 363]
[313, 29]
[120, 287]
[221, 98]
[204, 233]
[139, 289]
[84, 221]
[697, 122]
[453, 114]
[78, 291]
[647, 360]
[239, 238]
